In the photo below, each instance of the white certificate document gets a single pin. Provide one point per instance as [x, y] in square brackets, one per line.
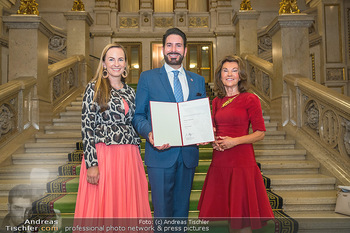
[181, 124]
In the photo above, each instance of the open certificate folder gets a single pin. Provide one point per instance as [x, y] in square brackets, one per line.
[181, 124]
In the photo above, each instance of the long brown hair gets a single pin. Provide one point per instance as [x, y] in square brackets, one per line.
[219, 87]
[103, 87]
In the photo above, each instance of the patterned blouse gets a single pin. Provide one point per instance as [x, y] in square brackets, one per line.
[112, 126]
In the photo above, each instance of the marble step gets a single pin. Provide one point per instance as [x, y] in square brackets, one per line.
[321, 221]
[289, 167]
[70, 114]
[56, 147]
[275, 135]
[77, 103]
[74, 108]
[274, 144]
[60, 136]
[280, 155]
[42, 159]
[63, 128]
[302, 182]
[309, 200]
[68, 119]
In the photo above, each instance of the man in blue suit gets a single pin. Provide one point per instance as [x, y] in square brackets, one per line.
[170, 169]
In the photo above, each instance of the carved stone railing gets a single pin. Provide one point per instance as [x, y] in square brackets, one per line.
[324, 115]
[57, 45]
[260, 75]
[65, 78]
[18, 108]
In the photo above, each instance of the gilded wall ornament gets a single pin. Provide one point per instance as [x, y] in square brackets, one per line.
[127, 22]
[246, 5]
[198, 22]
[163, 22]
[78, 5]
[28, 7]
[288, 7]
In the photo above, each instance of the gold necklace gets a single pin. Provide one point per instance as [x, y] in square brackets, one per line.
[227, 102]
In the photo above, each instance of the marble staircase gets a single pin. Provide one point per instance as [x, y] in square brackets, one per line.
[308, 195]
[38, 161]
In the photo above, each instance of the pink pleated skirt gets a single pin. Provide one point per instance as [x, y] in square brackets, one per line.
[122, 191]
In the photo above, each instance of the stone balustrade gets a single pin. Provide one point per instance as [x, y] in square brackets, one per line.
[65, 77]
[18, 108]
[260, 77]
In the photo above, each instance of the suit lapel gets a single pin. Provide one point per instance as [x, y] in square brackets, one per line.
[191, 85]
[163, 77]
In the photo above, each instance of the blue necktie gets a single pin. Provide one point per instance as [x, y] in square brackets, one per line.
[177, 87]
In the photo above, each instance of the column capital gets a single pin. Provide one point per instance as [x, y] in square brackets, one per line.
[79, 15]
[290, 21]
[28, 22]
[251, 14]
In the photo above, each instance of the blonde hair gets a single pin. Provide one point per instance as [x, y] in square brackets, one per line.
[103, 87]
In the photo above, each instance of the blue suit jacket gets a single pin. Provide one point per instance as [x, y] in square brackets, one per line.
[154, 85]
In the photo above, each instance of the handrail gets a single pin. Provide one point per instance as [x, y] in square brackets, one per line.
[262, 64]
[58, 67]
[341, 102]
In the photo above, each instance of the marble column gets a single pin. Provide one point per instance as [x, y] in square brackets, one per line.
[246, 32]
[28, 50]
[290, 54]
[146, 15]
[181, 11]
[28, 57]
[78, 39]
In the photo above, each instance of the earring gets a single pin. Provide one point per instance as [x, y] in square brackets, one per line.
[105, 72]
[124, 74]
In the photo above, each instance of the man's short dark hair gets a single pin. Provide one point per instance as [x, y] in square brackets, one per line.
[175, 31]
[19, 191]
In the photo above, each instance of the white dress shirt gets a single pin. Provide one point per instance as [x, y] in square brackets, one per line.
[182, 78]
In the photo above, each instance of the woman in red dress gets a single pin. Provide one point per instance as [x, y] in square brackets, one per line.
[234, 187]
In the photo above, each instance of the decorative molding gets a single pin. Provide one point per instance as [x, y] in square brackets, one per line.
[329, 128]
[199, 22]
[128, 22]
[58, 43]
[312, 115]
[335, 74]
[28, 22]
[289, 20]
[163, 22]
[312, 56]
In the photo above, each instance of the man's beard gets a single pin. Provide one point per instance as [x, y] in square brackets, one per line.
[173, 61]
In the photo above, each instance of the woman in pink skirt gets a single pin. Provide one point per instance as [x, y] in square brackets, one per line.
[112, 182]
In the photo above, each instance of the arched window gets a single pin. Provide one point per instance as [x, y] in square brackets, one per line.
[127, 6]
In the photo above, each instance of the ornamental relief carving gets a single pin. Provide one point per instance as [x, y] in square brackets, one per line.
[199, 22]
[58, 43]
[163, 22]
[266, 83]
[346, 138]
[126, 22]
[7, 119]
[252, 75]
[329, 128]
[312, 116]
[264, 43]
[335, 74]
